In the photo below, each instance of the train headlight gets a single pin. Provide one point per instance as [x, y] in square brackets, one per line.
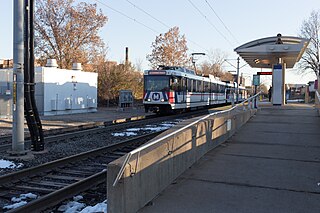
[162, 100]
[149, 99]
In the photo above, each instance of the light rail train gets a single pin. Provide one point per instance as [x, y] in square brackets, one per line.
[169, 89]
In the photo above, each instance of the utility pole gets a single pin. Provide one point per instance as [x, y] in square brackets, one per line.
[194, 60]
[18, 79]
[237, 77]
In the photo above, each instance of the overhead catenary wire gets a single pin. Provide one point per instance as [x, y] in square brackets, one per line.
[210, 22]
[222, 21]
[162, 23]
[138, 22]
[123, 14]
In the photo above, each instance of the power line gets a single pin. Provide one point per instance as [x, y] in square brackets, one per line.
[205, 17]
[221, 21]
[133, 19]
[145, 12]
[156, 19]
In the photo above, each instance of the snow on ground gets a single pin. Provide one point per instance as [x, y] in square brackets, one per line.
[77, 207]
[20, 201]
[295, 101]
[9, 164]
[154, 128]
[15, 205]
[121, 134]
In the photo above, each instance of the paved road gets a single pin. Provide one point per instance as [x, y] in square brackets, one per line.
[271, 165]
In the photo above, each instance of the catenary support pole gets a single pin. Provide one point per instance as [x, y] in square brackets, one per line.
[18, 79]
[238, 68]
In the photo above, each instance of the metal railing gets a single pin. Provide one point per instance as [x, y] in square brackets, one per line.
[249, 103]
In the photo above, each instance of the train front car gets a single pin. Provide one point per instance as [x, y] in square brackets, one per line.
[156, 91]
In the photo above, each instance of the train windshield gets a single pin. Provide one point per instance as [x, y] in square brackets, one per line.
[156, 83]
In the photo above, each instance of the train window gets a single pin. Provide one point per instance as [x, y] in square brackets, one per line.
[206, 86]
[221, 88]
[199, 86]
[194, 85]
[189, 85]
[156, 83]
[214, 87]
[183, 84]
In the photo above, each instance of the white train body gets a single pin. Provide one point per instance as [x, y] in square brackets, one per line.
[177, 88]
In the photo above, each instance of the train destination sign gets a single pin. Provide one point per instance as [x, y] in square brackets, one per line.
[156, 72]
[264, 73]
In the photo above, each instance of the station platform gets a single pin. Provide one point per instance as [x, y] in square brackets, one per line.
[272, 164]
[103, 114]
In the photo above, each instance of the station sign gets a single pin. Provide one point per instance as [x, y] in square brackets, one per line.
[256, 80]
[264, 73]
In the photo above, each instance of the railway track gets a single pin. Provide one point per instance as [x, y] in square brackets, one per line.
[85, 130]
[56, 181]
[60, 179]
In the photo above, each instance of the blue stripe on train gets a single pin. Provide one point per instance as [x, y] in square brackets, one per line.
[165, 97]
[148, 94]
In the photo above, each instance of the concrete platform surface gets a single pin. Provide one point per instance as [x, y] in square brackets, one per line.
[271, 165]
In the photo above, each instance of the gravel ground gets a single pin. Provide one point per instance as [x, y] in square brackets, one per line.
[62, 149]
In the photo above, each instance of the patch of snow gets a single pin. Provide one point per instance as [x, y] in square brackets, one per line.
[155, 129]
[168, 124]
[100, 207]
[24, 197]
[295, 101]
[77, 207]
[121, 134]
[15, 205]
[133, 129]
[9, 164]
[20, 201]
[71, 207]
[77, 198]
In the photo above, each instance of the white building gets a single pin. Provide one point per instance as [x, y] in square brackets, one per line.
[57, 91]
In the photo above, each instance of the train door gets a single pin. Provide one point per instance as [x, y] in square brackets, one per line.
[176, 87]
[183, 89]
[201, 90]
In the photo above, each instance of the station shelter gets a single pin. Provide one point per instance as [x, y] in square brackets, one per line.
[277, 53]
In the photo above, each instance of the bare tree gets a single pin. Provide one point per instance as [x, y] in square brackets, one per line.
[68, 32]
[214, 67]
[169, 49]
[310, 29]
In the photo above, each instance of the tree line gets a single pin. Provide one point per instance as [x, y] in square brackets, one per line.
[69, 32]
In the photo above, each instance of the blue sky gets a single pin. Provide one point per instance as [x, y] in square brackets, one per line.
[246, 19]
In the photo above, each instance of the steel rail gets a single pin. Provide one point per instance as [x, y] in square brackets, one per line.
[68, 191]
[4, 179]
[60, 195]
[97, 129]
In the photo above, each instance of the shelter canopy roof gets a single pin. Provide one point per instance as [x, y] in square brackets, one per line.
[262, 53]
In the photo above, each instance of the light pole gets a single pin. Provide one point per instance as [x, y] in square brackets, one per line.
[194, 60]
[238, 68]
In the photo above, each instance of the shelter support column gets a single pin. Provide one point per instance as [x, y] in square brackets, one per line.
[278, 83]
